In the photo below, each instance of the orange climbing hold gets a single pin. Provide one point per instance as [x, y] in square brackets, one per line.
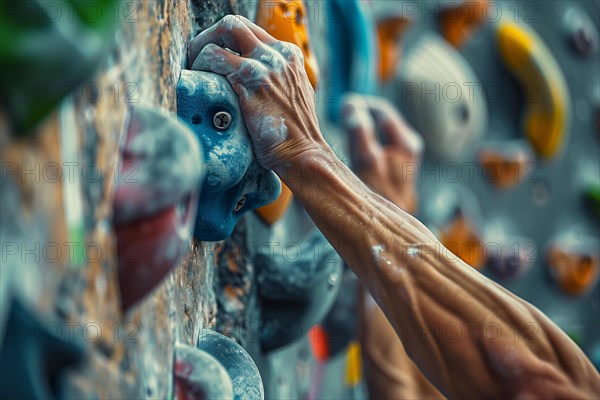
[286, 20]
[459, 21]
[575, 271]
[462, 238]
[319, 343]
[271, 213]
[389, 30]
[504, 168]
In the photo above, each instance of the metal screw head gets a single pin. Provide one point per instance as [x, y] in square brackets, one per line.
[222, 120]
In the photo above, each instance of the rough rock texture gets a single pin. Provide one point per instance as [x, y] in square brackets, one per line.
[235, 289]
[128, 355]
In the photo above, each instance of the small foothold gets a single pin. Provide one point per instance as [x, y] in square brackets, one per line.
[592, 197]
[200, 376]
[573, 263]
[222, 120]
[453, 212]
[463, 239]
[245, 377]
[458, 22]
[582, 33]
[296, 293]
[506, 166]
[511, 260]
[389, 30]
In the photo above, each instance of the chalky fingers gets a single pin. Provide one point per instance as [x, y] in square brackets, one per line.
[218, 60]
[229, 32]
[234, 32]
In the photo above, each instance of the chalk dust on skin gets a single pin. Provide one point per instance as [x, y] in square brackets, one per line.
[412, 251]
[276, 128]
[288, 51]
[383, 261]
[229, 22]
[269, 129]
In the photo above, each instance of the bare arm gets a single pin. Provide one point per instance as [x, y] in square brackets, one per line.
[420, 285]
[506, 347]
[387, 167]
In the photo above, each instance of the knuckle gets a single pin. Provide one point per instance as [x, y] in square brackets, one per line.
[229, 22]
[229, 18]
[289, 51]
[245, 20]
[295, 49]
[271, 58]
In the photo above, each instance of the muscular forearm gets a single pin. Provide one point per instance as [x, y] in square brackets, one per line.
[418, 284]
[467, 334]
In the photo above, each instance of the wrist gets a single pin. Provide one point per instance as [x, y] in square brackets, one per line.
[309, 167]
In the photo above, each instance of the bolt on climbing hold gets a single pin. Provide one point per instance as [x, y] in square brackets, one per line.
[222, 120]
[235, 183]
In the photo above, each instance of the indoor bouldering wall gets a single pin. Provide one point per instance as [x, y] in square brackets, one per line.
[79, 79]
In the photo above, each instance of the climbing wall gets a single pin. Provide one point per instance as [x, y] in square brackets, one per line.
[59, 252]
[546, 204]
